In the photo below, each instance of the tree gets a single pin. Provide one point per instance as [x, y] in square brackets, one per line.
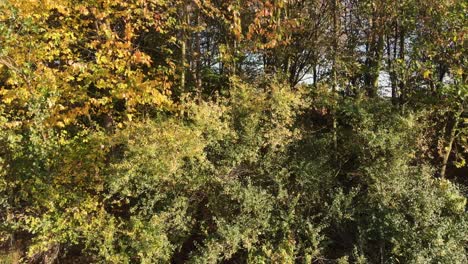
[243, 131]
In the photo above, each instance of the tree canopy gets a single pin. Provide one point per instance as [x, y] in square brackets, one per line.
[233, 131]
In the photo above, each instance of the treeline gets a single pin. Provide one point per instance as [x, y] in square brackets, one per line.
[233, 131]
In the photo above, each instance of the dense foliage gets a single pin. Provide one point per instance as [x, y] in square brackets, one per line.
[246, 131]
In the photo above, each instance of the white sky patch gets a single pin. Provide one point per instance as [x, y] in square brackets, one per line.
[385, 86]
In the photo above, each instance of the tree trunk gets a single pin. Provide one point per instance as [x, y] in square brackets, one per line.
[401, 85]
[448, 149]
[374, 65]
[198, 64]
[334, 76]
[183, 47]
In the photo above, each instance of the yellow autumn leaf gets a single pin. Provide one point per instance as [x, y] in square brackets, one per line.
[426, 74]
